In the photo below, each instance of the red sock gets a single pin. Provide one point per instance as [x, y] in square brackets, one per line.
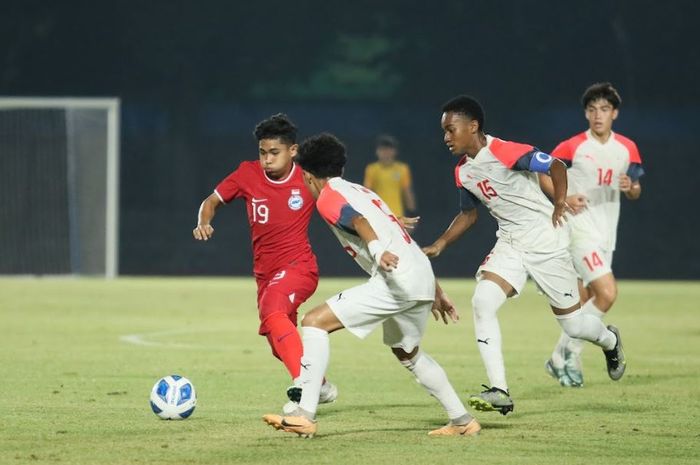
[285, 342]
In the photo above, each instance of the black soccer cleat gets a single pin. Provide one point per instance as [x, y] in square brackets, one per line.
[615, 358]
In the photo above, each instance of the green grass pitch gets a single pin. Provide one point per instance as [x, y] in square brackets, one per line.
[74, 391]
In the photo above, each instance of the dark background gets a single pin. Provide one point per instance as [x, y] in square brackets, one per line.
[195, 77]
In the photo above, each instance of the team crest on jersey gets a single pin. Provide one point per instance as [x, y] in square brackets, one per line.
[295, 201]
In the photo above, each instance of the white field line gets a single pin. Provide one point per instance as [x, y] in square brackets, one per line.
[150, 339]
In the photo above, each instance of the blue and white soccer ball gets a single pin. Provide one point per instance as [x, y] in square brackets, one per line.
[173, 398]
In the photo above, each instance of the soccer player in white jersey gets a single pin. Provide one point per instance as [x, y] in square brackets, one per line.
[503, 176]
[601, 164]
[399, 295]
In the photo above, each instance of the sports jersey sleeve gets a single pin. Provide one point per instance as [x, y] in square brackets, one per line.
[535, 161]
[467, 200]
[511, 155]
[230, 187]
[564, 153]
[635, 171]
[336, 210]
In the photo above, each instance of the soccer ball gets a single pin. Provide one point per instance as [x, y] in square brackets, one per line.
[173, 398]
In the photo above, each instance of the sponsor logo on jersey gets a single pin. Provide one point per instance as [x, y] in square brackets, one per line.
[295, 201]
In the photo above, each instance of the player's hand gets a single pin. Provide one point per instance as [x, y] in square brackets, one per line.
[577, 202]
[409, 222]
[435, 249]
[625, 183]
[443, 307]
[388, 261]
[558, 218]
[203, 232]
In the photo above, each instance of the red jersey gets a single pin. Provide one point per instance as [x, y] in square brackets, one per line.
[278, 215]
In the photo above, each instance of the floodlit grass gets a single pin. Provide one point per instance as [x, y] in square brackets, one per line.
[75, 392]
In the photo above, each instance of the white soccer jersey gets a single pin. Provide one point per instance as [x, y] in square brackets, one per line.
[595, 172]
[512, 195]
[340, 201]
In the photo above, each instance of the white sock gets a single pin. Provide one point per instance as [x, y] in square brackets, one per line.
[487, 299]
[580, 325]
[434, 379]
[574, 345]
[313, 366]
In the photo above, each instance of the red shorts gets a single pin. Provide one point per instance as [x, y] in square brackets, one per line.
[286, 291]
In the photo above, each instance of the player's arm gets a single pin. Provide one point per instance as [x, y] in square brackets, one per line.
[631, 189]
[385, 259]
[443, 306]
[409, 198]
[629, 182]
[464, 220]
[542, 163]
[368, 178]
[557, 171]
[207, 210]
[577, 202]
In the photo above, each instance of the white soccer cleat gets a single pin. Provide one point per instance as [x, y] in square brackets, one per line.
[329, 393]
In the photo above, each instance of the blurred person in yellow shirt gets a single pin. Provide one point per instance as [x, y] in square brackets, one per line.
[390, 178]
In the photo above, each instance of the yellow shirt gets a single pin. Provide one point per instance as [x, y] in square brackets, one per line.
[389, 181]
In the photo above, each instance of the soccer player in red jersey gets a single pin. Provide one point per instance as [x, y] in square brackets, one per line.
[279, 207]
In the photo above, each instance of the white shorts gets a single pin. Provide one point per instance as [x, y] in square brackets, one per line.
[590, 260]
[362, 308]
[553, 272]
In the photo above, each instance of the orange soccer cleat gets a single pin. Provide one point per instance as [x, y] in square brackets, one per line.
[470, 429]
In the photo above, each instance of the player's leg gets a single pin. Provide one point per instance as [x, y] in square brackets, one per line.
[557, 278]
[316, 325]
[277, 305]
[360, 310]
[604, 292]
[500, 276]
[403, 333]
[592, 265]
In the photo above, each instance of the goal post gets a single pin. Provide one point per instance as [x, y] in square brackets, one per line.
[59, 186]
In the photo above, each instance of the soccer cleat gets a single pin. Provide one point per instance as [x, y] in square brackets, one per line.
[300, 425]
[294, 393]
[289, 408]
[329, 393]
[273, 420]
[492, 399]
[559, 374]
[470, 429]
[573, 367]
[615, 358]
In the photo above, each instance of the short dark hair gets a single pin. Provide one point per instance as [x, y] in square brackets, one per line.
[277, 126]
[601, 90]
[322, 155]
[468, 106]
[385, 140]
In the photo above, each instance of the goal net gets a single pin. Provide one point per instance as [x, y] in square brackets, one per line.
[59, 167]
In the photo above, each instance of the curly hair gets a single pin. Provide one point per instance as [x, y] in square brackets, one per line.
[322, 155]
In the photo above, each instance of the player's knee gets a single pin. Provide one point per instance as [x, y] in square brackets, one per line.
[573, 327]
[403, 355]
[482, 305]
[605, 296]
[311, 318]
[407, 359]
